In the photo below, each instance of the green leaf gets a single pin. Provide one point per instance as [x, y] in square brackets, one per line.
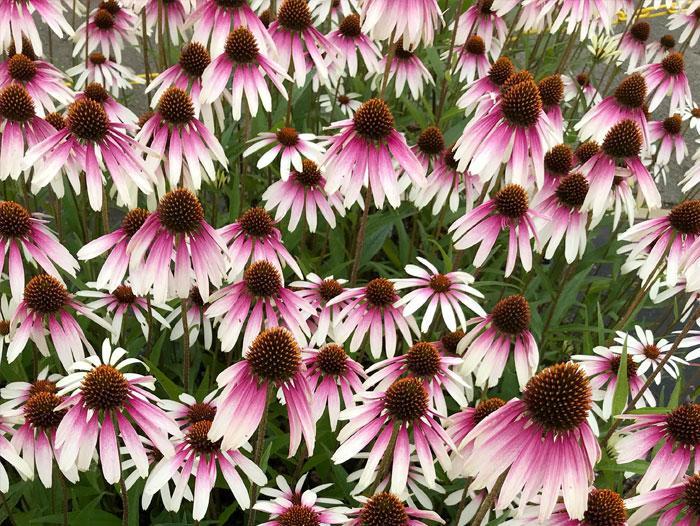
[173, 390]
[622, 387]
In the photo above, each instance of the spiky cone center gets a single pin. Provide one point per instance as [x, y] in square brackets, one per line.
[406, 400]
[651, 351]
[299, 515]
[586, 150]
[134, 220]
[294, 15]
[343, 100]
[685, 217]
[27, 49]
[431, 141]
[180, 211]
[521, 104]
[605, 508]
[4, 328]
[87, 120]
[274, 355]
[229, 4]
[21, 68]
[559, 397]
[640, 31]
[673, 63]
[383, 509]
[672, 125]
[103, 19]
[200, 411]
[623, 140]
[332, 360]
[551, 90]
[104, 388]
[516, 78]
[486, 407]
[631, 365]
[501, 70]
[380, 292]
[423, 360]
[175, 107]
[667, 42]
[111, 5]
[241, 46]
[97, 58]
[262, 279]
[449, 159]
[145, 117]
[683, 425]
[16, 104]
[350, 26]
[475, 45]
[559, 160]
[450, 340]
[42, 386]
[329, 289]
[310, 175]
[44, 294]
[691, 494]
[440, 283]
[266, 18]
[56, 120]
[632, 91]
[124, 294]
[512, 201]
[39, 410]
[583, 79]
[194, 59]
[195, 297]
[287, 136]
[256, 222]
[401, 53]
[197, 436]
[511, 315]
[15, 220]
[96, 92]
[572, 190]
[373, 120]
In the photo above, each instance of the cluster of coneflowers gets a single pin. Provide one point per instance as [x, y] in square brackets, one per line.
[320, 262]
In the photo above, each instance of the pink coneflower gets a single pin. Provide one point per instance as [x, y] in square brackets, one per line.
[488, 345]
[294, 506]
[303, 193]
[348, 38]
[109, 27]
[258, 300]
[647, 352]
[371, 309]
[479, 18]
[565, 220]
[669, 240]
[402, 411]
[362, 154]
[490, 84]
[407, 69]
[604, 506]
[8, 452]
[248, 68]
[552, 94]
[586, 15]
[7, 311]
[580, 84]
[21, 129]
[508, 210]
[603, 369]
[347, 103]
[293, 32]
[472, 62]
[669, 133]
[196, 320]
[91, 142]
[120, 302]
[115, 266]
[181, 141]
[448, 291]
[17, 22]
[333, 9]
[424, 361]
[657, 50]
[115, 112]
[290, 145]
[558, 163]
[103, 70]
[46, 304]
[217, 18]
[413, 22]
[672, 440]
[383, 508]
[25, 235]
[627, 102]
[272, 362]
[186, 411]
[254, 237]
[103, 400]
[668, 77]
[318, 292]
[44, 82]
[329, 369]
[622, 146]
[176, 236]
[445, 184]
[428, 149]
[678, 504]
[516, 132]
[633, 44]
[197, 456]
[690, 18]
[549, 420]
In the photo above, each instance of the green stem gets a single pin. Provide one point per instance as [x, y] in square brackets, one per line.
[258, 451]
